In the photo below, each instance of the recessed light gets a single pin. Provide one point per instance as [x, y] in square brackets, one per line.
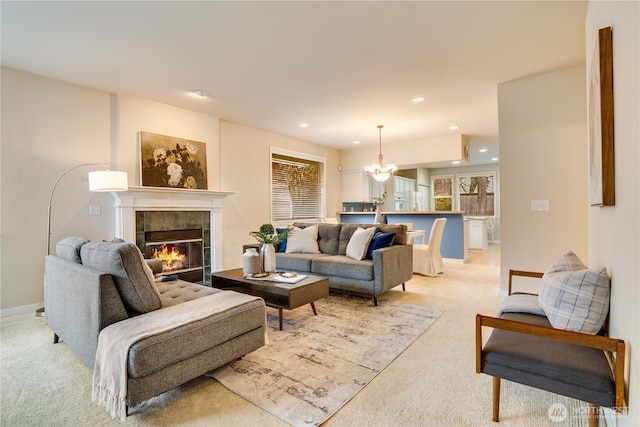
[304, 125]
[356, 142]
[201, 93]
[454, 127]
[483, 150]
[455, 162]
[417, 99]
[495, 159]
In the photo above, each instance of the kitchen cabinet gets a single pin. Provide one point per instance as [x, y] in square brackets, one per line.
[478, 234]
[357, 186]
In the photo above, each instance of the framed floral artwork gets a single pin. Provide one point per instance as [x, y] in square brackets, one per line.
[600, 101]
[172, 162]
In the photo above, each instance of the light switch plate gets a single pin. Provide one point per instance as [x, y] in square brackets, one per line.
[539, 205]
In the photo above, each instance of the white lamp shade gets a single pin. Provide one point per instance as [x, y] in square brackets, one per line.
[108, 181]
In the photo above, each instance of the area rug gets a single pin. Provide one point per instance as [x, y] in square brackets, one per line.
[308, 371]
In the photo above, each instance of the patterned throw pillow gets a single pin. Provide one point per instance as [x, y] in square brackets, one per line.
[575, 297]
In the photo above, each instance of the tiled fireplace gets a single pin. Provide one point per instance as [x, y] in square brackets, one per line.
[188, 220]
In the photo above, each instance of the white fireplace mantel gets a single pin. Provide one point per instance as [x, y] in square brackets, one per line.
[167, 199]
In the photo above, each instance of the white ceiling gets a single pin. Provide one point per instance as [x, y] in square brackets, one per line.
[342, 67]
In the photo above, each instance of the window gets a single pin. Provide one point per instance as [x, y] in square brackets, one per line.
[476, 193]
[442, 192]
[297, 186]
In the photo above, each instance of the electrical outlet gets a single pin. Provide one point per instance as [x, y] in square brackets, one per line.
[233, 253]
[94, 210]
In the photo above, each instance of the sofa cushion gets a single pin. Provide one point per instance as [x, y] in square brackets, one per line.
[175, 345]
[359, 242]
[328, 236]
[380, 240]
[69, 248]
[133, 278]
[573, 296]
[343, 266]
[296, 262]
[303, 240]
[178, 291]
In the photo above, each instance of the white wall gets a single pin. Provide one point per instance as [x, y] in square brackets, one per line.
[47, 127]
[407, 154]
[136, 114]
[246, 170]
[614, 232]
[543, 156]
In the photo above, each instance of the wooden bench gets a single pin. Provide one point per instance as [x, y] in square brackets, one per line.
[526, 349]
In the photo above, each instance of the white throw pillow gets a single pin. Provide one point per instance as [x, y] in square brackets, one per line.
[574, 297]
[359, 242]
[303, 240]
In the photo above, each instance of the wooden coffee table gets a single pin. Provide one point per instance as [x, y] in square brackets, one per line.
[275, 294]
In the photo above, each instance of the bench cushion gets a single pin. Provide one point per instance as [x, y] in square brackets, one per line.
[570, 370]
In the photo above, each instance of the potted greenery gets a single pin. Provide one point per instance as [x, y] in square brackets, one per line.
[268, 237]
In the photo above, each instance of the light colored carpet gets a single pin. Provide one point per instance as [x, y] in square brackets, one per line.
[432, 383]
[316, 364]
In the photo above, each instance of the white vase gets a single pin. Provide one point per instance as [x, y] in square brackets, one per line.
[251, 261]
[268, 252]
[378, 218]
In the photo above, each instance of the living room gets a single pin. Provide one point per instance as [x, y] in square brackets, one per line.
[49, 125]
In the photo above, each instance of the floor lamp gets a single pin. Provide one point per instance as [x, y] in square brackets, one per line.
[99, 181]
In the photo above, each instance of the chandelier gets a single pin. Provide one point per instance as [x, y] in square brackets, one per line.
[380, 172]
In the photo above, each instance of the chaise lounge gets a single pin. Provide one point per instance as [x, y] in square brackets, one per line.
[93, 287]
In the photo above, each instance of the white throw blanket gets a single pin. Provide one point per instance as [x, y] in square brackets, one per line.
[110, 371]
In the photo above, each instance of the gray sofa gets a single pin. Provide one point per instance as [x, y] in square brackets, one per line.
[89, 286]
[388, 267]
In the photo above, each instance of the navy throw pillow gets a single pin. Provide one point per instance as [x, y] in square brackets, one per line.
[380, 240]
[282, 246]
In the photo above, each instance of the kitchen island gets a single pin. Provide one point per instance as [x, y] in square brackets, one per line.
[453, 239]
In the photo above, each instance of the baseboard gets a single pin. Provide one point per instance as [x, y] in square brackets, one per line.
[16, 311]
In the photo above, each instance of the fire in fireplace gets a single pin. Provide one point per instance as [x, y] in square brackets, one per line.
[181, 252]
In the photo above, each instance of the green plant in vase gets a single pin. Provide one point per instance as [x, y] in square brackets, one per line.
[268, 237]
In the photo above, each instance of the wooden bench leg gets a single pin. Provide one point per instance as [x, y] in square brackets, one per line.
[594, 415]
[496, 399]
